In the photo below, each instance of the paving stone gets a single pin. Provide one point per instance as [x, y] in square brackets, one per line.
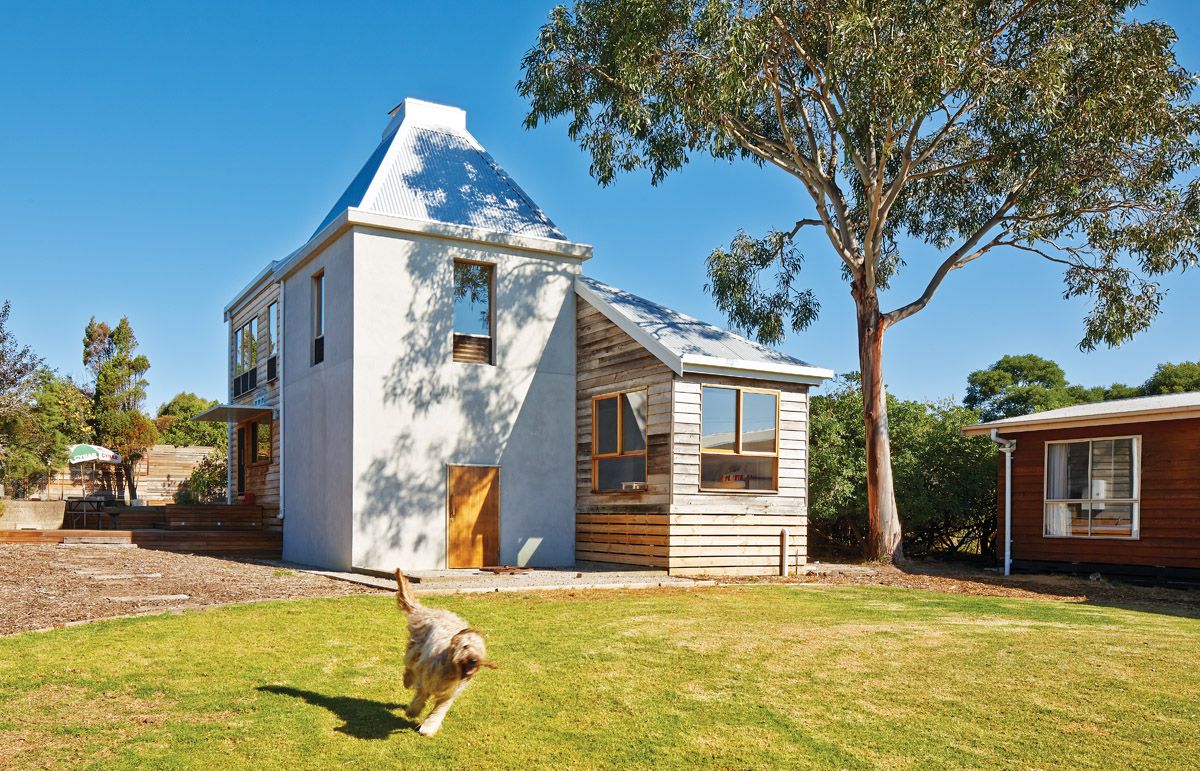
[150, 598]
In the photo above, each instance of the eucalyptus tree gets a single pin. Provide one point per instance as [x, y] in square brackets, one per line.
[925, 134]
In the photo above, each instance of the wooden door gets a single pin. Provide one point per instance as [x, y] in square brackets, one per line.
[473, 530]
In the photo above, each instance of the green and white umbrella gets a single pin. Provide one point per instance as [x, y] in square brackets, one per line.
[91, 453]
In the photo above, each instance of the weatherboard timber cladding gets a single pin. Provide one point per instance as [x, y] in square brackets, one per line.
[620, 527]
[262, 479]
[1170, 498]
[737, 533]
[672, 524]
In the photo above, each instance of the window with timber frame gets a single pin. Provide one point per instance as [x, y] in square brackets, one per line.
[474, 318]
[739, 439]
[1093, 488]
[619, 441]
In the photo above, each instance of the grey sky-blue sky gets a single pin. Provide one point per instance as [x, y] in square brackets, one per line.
[156, 156]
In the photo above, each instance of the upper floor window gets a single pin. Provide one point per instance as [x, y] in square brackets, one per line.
[473, 285]
[318, 311]
[245, 357]
[1092, 488]
[619, 441]
[739, 438]
[272, 341]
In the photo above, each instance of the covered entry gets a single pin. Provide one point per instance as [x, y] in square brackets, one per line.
[473, 516]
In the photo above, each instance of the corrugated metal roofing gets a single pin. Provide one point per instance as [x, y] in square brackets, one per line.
[439, 173]
[683, 335]
[1129, 408]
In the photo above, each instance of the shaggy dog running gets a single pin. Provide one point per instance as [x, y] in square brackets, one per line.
[443, 654]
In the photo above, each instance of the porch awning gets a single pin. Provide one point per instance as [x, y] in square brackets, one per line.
[233, 413]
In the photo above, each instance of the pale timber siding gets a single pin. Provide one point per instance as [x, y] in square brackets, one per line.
[737, 533]
[621, 527]
[262, 479]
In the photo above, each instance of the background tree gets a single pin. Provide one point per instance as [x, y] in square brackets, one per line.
[175, 424]
[921, 131]
[57, 415]
[1173, 379]
[207, 482]
[119, 390]
[18, 364]
[946, 482]
[1021, 385]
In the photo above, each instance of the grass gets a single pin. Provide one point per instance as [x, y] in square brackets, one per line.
[746, 677]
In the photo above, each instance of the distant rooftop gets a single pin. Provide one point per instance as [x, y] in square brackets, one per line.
[1141, 408]
[429, 167]
[687, 344]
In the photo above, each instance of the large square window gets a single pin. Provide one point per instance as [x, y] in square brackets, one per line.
[739, 439]
[1092, 489]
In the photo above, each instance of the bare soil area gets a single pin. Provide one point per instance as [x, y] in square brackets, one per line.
[958, 579]
[44, 586]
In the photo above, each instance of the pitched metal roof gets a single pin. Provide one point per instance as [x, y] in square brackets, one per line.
[1139, 408]
[687, 344]
[429, 167]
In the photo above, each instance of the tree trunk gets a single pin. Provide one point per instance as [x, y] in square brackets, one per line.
[130, 484]
[883, 542]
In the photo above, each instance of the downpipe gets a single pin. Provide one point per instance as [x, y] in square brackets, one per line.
[1008, 447]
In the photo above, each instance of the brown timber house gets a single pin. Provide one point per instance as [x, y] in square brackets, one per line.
[1111, 487]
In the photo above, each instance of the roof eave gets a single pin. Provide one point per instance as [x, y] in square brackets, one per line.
[643, 338]
[353, 216]
[1083, 421]
[788, 373]
[254, 287]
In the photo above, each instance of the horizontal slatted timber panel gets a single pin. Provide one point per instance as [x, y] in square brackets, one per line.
[473, 350]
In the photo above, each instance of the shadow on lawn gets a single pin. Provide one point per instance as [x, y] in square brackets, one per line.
[362, 718]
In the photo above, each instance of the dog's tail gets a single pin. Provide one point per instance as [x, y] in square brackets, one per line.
[404, 593]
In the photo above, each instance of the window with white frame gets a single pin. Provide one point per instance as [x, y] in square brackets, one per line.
[1092, 488]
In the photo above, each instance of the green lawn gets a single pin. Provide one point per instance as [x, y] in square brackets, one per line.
[747, 677]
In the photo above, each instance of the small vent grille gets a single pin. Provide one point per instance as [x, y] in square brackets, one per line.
[319, 349]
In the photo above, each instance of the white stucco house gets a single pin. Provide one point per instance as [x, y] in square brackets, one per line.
[429, 381]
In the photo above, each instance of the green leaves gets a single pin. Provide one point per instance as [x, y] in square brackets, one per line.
[1061, 129]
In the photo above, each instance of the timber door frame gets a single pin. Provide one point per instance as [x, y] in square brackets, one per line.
[499, 508]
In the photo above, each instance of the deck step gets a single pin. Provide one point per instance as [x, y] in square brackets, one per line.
[95, 539]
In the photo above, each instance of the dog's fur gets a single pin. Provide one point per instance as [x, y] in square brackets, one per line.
[443, 654]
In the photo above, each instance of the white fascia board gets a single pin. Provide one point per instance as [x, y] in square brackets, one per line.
[263, 278]
[1083, 421]
[790, 373]
[626, 325]
[553, 246]
[353, 216]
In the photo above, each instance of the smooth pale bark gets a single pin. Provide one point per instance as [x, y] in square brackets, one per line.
[883, 542]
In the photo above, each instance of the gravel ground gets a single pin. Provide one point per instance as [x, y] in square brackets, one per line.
[44, 586]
